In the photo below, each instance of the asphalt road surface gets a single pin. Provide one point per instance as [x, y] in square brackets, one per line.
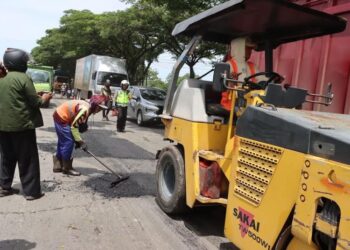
[85, 213]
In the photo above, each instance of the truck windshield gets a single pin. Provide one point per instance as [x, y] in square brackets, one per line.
[153, 94]
[39, 75]
[61, 79]
[114, 78]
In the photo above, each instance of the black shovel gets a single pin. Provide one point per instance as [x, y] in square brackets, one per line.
[120, 177]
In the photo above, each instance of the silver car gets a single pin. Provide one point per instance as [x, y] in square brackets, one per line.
[146, 104]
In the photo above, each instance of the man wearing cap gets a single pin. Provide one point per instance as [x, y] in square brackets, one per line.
[70, 120]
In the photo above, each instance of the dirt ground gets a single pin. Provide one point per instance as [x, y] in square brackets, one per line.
[85, 213]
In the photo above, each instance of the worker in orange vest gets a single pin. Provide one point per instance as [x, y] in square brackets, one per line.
[239, 53]
[70, 120]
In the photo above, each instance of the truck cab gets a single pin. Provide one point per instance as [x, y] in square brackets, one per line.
[92, 71]
[42, 77]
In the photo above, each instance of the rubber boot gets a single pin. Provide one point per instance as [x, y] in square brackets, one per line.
[57, 164]
[77, 173]
[68, 168]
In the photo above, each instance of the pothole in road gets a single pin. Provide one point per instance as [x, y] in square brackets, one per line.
[50, 185]
[127, 188]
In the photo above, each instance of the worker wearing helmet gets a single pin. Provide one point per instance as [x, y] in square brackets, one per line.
[70, 119]
[20, 116]
[122, 98]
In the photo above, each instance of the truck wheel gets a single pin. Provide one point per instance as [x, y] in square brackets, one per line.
[170, 174]
[139, 118]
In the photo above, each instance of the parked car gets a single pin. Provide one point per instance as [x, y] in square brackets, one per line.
[146, 104]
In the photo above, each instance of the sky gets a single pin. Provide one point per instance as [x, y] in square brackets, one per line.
[23, 22]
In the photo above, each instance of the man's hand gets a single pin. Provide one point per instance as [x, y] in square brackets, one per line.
[46, 97]
[82, 145]
[235, 75]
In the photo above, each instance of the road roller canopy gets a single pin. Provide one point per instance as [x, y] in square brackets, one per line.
[277, 21]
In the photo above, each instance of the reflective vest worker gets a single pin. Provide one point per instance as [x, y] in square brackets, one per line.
[238, 56]
[122, 98]
[70, 119]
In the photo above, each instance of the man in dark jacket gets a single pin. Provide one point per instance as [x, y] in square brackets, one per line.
[20, 115]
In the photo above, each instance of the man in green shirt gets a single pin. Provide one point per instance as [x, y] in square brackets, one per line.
[20, 115]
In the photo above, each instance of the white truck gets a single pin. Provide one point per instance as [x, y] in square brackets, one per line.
[91, 72]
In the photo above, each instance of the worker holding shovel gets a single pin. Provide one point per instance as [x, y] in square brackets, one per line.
[70, 120]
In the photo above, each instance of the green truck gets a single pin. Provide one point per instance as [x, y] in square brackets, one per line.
[42, 77]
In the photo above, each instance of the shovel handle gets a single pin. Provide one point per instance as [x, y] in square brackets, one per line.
[97, 159]
[116, 182]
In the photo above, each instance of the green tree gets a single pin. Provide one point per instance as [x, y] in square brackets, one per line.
[136, 35]
[130, 34]
[139, 34]
[176, 11]
[153, 80]
[76, 37]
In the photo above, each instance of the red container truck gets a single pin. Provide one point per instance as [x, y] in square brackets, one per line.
[313, 63]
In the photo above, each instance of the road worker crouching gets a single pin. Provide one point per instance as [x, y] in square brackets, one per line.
[70, 120]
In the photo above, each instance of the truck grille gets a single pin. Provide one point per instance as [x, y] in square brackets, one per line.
[256, 165]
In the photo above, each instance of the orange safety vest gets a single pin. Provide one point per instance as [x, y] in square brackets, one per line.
[226, 97]
[234, 66]
[226, 100]
[68, 110]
